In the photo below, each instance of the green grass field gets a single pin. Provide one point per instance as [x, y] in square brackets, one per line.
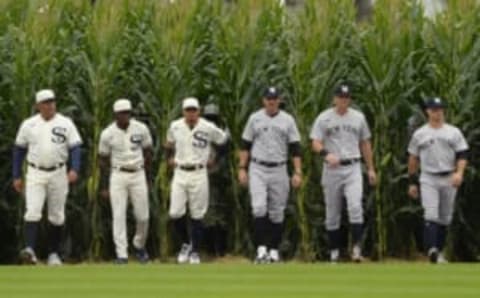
[243, 280]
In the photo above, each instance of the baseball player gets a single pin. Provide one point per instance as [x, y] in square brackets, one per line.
[126, 150]
[440, 149]
[188, 148]
[341, 136]
[47, 139]
[267, 140]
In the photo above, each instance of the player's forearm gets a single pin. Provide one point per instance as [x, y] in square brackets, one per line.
[19, 154]
[297, 165]
[367, 153]
[244, 156]
[317, 146]
[412, 165]
[147, 156]
[76, 158]
[461, 166]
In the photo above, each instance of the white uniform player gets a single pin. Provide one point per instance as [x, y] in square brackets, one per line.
[47, 139]
[126, 145]
[189, 141]
[441, 151]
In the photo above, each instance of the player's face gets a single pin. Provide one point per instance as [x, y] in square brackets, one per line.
[342, 102]
[271, 104]
[122, 118]
[191, 115]
[435, 114]
[47, 109]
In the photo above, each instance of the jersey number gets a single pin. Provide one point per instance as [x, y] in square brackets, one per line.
[59, 135]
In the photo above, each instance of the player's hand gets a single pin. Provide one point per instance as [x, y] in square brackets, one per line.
[18, 185]
[243, 177]
[72, 176]
[104, 194]
[372, 177]
[332, 160]
[210, 163]
[296, 180]
[171, 163]
[457, 179]
[413, 191]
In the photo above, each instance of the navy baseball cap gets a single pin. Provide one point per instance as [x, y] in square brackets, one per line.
[271, 92]
[343, 90]
[434, 102]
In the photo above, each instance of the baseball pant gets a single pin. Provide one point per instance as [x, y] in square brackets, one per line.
[49, 186]
[189, 188]
[125, 185]
[438, 198]
[269, 191]
[340, 182]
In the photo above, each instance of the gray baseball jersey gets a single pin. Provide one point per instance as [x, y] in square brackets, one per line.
[437, 148]
[341, 134]
[270, 136]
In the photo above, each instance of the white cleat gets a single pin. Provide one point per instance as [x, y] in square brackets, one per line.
[194, 259]
[274, 256]
[334, 256]
[184, 254]
[27, 255]
[441, 259]
[357, 254]
[262, 255]
[54, 260]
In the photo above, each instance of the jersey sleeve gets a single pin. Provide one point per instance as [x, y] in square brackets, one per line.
[248, 131]
[365, 133]
[104, 147]
[317, 130]
[74, 138]
[22, 136]
[293, 133]
[170, 135]
[413, 146]
[147, 138]
[219, 137]
[460, 143]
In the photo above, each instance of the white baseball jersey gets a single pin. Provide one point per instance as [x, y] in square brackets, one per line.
[270, 136]
[341, 134]
[49, 141]
[437, 147]
[193, 146]
[125, 147]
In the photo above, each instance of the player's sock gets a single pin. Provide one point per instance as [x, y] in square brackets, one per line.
[430, 235]
[31, 228]
[197, 233]
[357, 233]
[441, 237]
[180, 226]
[54, 238]
[333, 239]
[260, 230]
[276, 230]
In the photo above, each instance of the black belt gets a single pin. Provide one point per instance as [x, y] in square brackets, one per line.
[351, 161]
[129, 170]
[46, 169]
[190, 168]
[268, 164]
[442, 174]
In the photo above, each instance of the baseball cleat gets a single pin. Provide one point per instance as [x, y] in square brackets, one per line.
[357, 254]
[274, 256]
[184, 254]
[142, 255]
[441, 259]
[433, 255]
[194, 258]
[54, 259]
[334, 256]
[27, 256]
[121, 261]
[262, 256]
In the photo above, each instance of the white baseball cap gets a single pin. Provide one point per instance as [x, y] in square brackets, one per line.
[122, 105]
[190, 103]
[44, 95]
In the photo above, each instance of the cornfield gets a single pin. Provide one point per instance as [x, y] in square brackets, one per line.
[158, 52]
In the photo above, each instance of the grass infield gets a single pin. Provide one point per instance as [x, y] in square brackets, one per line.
[243, 280]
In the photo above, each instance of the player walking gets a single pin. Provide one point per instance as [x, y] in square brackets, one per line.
[126, 149]
[441, 151]
[268, 138]
[341, 135]
[47, 139]
[189, 141]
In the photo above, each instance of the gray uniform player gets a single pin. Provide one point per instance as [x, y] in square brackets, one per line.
[341, 135]
[441, 150]
[268, 138]
[48, 140]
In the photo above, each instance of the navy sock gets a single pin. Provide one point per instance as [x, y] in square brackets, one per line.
[260, 230]
[357, 233]
[180, 226]
[441, 236]
[430, 235]
[197, 234]
[31, 228]
[276, 230]
[54, 238]
[333, 239]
